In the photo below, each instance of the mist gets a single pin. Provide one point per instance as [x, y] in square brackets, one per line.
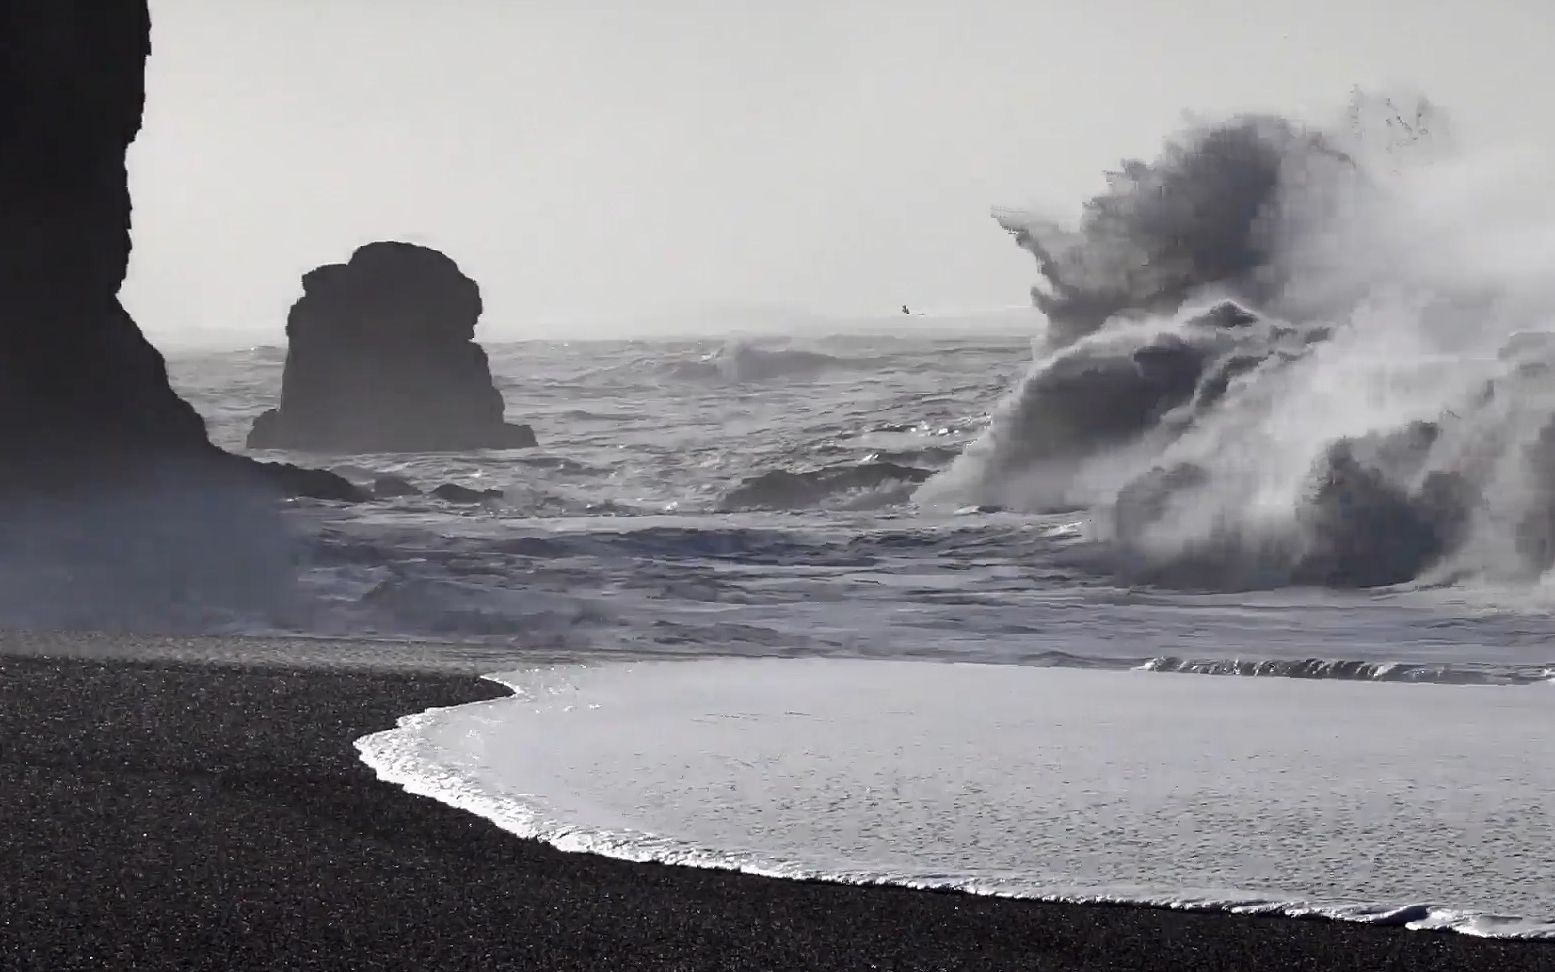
[1288, 354]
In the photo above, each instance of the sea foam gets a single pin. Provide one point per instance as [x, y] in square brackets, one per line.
[1417, 805]
[1287, 354]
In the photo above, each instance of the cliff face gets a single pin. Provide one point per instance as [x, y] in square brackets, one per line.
[382, 358]
[85, 404]
[79, 385]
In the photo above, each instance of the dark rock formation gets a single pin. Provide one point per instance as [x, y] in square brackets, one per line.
[81, 391]
[293, 480]
[454, 493]
[85, 404]
[389, 487]
[383, 358]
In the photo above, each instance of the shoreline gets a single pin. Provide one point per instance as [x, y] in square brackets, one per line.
[167, 812]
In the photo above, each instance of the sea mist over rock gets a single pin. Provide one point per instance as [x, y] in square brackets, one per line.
[1283, 354]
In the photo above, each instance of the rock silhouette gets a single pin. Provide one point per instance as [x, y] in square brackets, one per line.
[391, 487]
[85, 404]
[80, 388]
[382, 358]
[454, 493]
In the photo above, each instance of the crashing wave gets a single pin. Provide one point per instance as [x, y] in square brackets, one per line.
[1282, 355]
[741, 362]
[780, 489]
[1206, 212]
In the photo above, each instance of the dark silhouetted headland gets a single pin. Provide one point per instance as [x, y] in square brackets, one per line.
[85, 404]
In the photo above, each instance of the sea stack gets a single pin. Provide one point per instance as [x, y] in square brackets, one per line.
[382, 358]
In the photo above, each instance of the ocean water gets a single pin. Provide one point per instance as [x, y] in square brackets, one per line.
[612, 538]
[754, 687]
[1420, 805]
[1224, 581]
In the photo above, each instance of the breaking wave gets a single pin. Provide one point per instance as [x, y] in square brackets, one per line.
[1284, 354]
[742, 362]
[861, 485]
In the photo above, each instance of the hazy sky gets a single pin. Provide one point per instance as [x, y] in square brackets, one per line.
[648, 164]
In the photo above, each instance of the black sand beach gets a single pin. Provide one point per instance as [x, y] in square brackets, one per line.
[201, 815]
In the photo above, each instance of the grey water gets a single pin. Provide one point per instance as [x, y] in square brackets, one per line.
[761, 502]
[615, 537]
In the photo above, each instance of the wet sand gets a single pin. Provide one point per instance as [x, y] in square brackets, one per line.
[200, 813]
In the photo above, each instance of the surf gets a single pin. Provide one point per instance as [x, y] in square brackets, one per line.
[1319, 799]
[1288, 354]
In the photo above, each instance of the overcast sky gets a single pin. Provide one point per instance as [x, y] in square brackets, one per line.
[645, 164]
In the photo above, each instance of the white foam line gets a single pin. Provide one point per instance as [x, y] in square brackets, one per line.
[401, 756]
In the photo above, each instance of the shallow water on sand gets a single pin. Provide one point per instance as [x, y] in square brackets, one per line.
[1423, 805]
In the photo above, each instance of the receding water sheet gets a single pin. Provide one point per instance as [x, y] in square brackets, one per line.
[1420, 804]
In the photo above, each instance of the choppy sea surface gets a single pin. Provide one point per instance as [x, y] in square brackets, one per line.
[720, 543]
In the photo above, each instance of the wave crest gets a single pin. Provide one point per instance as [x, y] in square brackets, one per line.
[780, 489]
[1288, 355]
[741, 362]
